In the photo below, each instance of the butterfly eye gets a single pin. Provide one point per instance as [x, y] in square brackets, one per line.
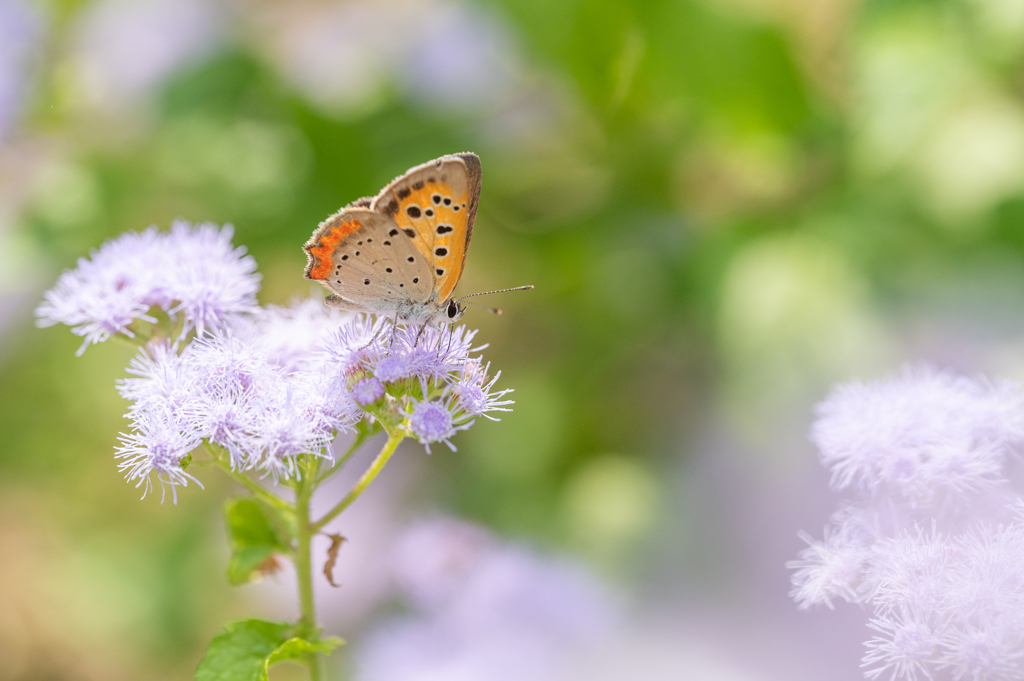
[453, 309]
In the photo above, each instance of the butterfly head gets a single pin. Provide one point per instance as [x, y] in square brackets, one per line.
[453, 311]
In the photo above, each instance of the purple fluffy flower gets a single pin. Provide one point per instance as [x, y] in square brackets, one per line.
[237, 389]
[367, 391]
[431, 421]
[438, 384]
[473, 391]
[159, 444]
[929, 543]
[209, 279]
[297, 336]
[923, 432]
[108, 291]
[192, 271]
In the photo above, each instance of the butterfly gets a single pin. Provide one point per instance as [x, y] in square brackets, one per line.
[402, 252]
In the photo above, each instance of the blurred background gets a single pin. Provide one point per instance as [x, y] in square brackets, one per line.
[724, 205]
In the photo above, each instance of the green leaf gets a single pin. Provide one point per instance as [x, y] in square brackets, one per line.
[295, 648]
[245, 650]
[252, 536]
[242, 651]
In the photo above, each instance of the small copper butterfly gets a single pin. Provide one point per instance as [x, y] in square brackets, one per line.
[402, 252]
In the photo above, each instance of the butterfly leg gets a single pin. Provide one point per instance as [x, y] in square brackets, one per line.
[376, 334]
[394, 329]
[451, 334]
[420, 333]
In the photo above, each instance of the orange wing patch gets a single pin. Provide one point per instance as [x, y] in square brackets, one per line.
[320, 254]
[440, 218]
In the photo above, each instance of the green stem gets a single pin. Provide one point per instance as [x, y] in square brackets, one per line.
[394, 437]
[307, 627]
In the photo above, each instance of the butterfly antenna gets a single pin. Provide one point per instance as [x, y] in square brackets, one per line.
[494, 310]
[500, 290]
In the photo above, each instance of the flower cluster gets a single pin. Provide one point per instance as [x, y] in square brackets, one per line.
[483, 609]
[191, 271]
[257, 387]
[935, 538]
[427, 375]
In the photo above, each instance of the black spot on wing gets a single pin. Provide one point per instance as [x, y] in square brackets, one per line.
[391, 208]
[417, 185]
[413, 211]
[403, 192]
[411, 233]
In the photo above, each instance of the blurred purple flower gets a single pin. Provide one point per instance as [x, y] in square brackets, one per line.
[925, 450]
[191, 270]
[462, 58]
[445, 55]
[126, 47]
[20, 31]
[482, 610]
[921, 434]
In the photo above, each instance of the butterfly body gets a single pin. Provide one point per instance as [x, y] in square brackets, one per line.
[401, 252]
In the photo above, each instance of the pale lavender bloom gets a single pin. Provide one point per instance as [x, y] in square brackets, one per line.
[906, 644]
[454, 387]
[431, 421]
[297, 336]
[355, 347]
[826, 570]
[433, 353]
[484, 609]
[367, 391]
[161, 378]
[925, 450]
[473, 391]
[920, 434]
[108, 291]
[208, 277]
[194, 271]
[241, 391]
[159, 444]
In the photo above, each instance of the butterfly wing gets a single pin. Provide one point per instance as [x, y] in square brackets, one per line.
[436, 204]
[369, 262]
